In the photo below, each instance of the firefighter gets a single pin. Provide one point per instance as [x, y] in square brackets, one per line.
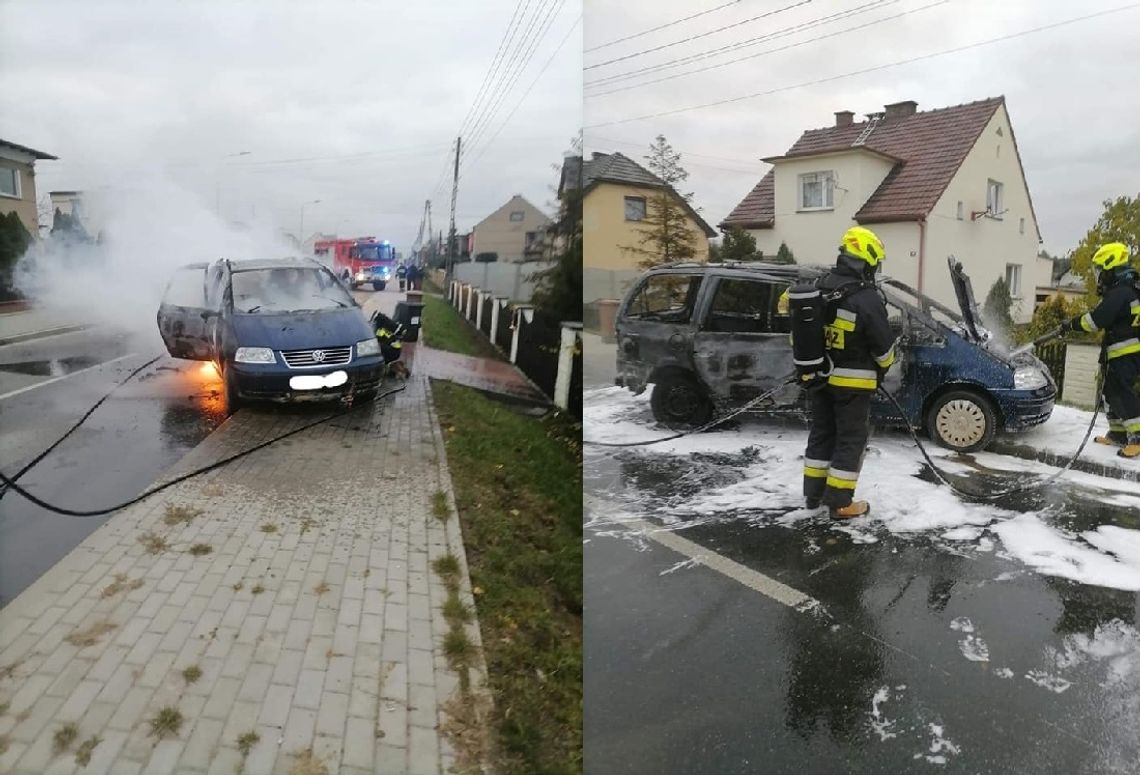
[1118, 315]
[861, 347]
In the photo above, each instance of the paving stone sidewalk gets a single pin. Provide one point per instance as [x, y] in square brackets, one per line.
[314, 619]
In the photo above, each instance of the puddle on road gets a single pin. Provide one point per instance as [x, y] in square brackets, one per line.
[56, 367]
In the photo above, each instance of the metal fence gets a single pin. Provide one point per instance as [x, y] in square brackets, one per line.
[1052, 354]
[485, 323]
[540, 339]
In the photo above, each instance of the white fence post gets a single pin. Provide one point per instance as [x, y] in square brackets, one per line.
[523, 315]
[496, 318]
[571, 333]
[479, 311]
[467, 308]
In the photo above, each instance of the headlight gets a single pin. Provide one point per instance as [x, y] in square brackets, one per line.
[254, 355]
[1029, 378]
[367, 347]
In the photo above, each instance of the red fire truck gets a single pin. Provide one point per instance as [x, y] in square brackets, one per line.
[358, 261]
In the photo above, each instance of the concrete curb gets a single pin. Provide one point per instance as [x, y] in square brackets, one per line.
[17, 338]
[1060, 460]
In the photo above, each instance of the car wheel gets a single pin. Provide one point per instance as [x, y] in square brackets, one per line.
[962, 420]
[233, 399]
[678, 400]
[377, 286]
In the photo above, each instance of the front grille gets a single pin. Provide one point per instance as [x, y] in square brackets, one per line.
[305, 359]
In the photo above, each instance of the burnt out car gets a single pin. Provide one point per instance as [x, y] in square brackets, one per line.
[710, 337]
[276, 330]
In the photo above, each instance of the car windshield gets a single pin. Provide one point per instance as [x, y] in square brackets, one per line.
[287, 289]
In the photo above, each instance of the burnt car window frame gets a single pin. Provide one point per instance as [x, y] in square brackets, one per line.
[696, 282]
[770, 304]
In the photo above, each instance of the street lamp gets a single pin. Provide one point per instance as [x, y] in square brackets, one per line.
[218, 180]
[301, 231]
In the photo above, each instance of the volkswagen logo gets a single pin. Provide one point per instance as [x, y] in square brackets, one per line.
[318, 356]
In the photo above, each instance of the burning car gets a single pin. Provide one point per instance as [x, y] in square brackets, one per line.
[710, 337]
[279, 330]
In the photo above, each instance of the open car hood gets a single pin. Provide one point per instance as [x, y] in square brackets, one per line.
[966, 301]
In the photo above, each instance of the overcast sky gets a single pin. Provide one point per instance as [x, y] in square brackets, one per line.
[1071, 91]
[352, 103]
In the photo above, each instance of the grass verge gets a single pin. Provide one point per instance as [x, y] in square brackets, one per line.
[444, 329]
[518, 490]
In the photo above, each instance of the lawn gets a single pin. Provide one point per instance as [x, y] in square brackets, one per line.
[444, 329]
[518, 486]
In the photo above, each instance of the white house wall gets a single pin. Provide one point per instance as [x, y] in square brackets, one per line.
[986, 245]
[814, 235]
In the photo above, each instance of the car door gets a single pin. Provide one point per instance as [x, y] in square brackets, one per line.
[182, 316]
[741, 347]
[655, 324]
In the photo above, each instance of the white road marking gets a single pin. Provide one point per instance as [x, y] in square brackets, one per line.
[53, 380]
[750, 578]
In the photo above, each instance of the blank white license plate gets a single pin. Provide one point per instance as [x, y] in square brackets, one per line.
[318, 381]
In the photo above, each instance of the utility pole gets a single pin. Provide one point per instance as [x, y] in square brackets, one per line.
[431, 242]
[451, 231]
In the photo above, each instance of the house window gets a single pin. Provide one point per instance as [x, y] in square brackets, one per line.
[635, 208]
[1013, 279]
[516, 216]
[994, 198]
[1021, 225]
[817, 190]
[9, 182]
[961, 210]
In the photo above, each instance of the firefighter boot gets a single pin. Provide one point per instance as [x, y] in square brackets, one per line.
[851, 510]
[1112, 439]
[1132, 448]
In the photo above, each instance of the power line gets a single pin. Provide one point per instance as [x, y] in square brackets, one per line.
[522, 99]
[864, 71]
[758, 54]
[643, 52]
[662, 26]
[543, 28]
[747, 43]
[494, 62]
[514, 45]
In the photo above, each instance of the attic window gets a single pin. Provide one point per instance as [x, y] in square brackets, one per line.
[1021, 225]
[9, 182]
[817, 190]
[961, 210]
[516, 216]
[994, 198]
[635, 208]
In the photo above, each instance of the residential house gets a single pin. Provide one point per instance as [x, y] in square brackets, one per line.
[617, 191]
[514, 232]
[1062, 281]
[931, 184]
[18, 183]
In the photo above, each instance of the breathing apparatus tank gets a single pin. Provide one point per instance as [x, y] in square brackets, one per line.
[809, 350]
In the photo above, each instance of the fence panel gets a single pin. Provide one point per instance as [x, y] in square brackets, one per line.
[505, 332]
[575, 407]
[1052, 354]
[488, 305]
[539, 343]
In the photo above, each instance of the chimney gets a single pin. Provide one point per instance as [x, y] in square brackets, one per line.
[900, 109]
[844, 118]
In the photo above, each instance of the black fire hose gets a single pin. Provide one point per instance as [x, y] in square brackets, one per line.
[35, 461]
[788, 380]
[11, 482]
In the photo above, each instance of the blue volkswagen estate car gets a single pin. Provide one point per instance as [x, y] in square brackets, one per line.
[277, 330]
[709, 337]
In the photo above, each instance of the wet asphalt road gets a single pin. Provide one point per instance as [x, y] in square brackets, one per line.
[128, 443]
[688, 670]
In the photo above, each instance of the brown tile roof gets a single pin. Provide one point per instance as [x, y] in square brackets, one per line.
[619, 168]
[758, 209]
[931, 146]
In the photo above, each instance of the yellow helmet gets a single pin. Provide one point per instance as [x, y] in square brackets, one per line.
[862, 243]
[1110, 256]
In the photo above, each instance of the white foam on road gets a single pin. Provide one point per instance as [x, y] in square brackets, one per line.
[962, 624]
[902, 504]
[880, 724]
[1053, 683]
[974, 649]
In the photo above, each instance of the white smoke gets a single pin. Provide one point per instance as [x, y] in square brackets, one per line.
[149, 226]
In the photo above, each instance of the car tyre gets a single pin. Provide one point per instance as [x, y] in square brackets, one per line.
[962, 420]
[233, 398]
[378, 286]
[677, 399]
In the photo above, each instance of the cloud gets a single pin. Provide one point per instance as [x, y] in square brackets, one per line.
[1075, 110]
[180, 88]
